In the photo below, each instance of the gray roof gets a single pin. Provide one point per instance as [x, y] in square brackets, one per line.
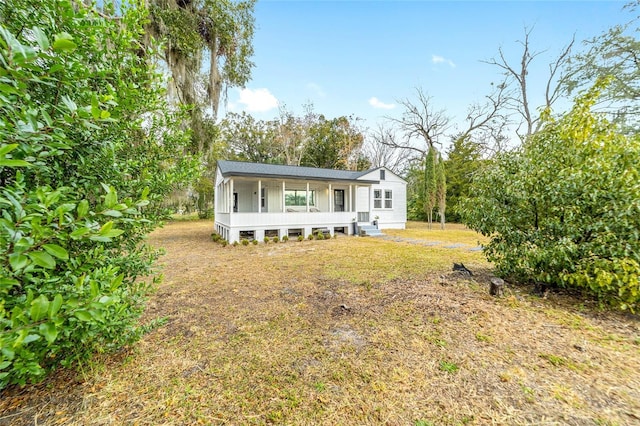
[240, 168]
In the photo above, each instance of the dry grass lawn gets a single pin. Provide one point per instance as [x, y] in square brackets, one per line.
[349, 331]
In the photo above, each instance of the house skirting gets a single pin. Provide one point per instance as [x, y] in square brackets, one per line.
[238, 233]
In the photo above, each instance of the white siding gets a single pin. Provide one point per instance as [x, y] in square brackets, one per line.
[396, 216]
[272, 216]
[362, 199]
[274, 201]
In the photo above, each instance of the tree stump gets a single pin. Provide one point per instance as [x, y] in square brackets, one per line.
[497, 287]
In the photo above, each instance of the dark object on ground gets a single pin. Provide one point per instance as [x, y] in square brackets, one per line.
[541, 289]
[497, 286]
[459, 267]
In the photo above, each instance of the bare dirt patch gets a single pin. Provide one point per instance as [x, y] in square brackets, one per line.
[347, 331]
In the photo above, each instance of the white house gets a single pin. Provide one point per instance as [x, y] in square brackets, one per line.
[254, 200]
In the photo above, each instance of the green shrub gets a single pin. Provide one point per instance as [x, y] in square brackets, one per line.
[319, 236]
[215, 237]
[205, 214]
[224, 243]
[276, 239]
[285, 238]
[266, 239]
[310, 237]
[563, 209]
[78, 112]
[254, 242]
[245, 242]
[235, 244]
[300, 238]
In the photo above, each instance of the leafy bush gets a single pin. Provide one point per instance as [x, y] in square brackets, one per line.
[319, 236]
[565, 208]
[310, 237]
[83, 130]
[266, 239]
[276, 239]
[254, 242]
[245, 242]
[205, 214]
[285, 238]
[300, 238]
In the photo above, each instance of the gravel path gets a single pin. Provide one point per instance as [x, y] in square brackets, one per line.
[431, 243]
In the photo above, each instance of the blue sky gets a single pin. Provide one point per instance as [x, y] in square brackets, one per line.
[359, 57]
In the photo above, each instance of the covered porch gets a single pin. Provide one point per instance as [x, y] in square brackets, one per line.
[253, 208]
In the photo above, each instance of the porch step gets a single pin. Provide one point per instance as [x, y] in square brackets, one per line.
[369, 230]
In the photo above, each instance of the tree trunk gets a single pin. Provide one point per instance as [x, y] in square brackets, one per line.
[496, 287]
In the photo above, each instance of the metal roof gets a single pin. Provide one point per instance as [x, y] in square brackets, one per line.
[240, 168]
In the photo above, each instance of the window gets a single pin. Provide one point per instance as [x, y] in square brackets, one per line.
[295, 232]
[294, 197]
[388, 199]
[381, 174]
[247, 235]
[377, 198]
[262, 198]
[270, 233]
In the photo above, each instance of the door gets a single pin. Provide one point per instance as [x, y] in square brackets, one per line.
[338, 200]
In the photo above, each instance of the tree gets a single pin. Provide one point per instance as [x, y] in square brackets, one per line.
[380, 149]
[333, 144]
[249, 139]
[517, 78]
[430, 183]
[614, 54]
[87, 152]
[464, 158]
[294, 133]
[441, 190]
[563, 209]
[420, 122]
[217, 33]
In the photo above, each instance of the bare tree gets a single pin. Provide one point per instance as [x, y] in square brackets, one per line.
[420, 121]
[486, 121]
[517, 79]
[291, 136]
[380, 149]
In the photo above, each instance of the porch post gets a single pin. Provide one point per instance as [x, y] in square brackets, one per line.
[284, 202]
[355, 199]
[259, 196]
[226, 197]
[350, 205]
[231, 196]
[307, 197]
[330, 200]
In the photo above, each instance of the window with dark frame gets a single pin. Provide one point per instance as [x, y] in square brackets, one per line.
[377, 198]
[298, 198]
[388, 199]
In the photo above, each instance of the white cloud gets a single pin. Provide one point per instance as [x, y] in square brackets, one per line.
[317, 89]
[258, 100]
[377, 103]
[437, 59]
